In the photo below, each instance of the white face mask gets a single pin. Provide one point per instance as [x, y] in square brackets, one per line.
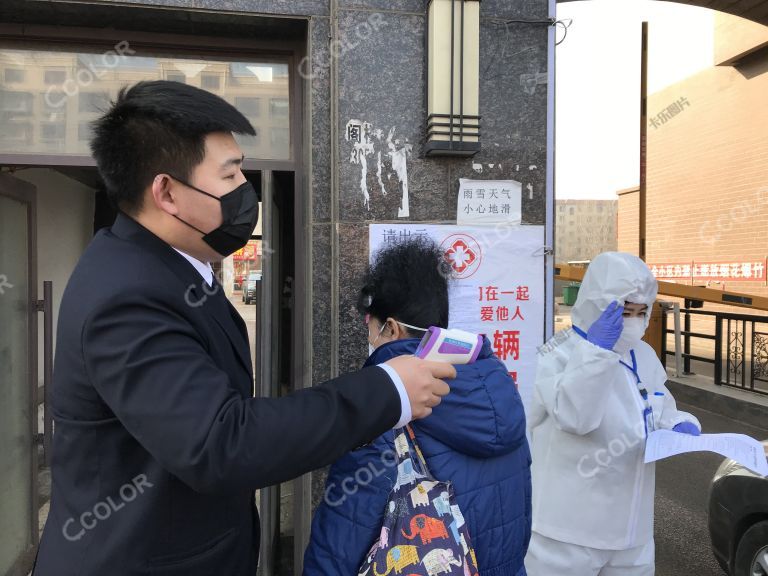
[631, 335]
[372, 347]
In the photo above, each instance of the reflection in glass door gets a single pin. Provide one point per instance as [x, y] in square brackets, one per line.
[18, 361]
[48, 99]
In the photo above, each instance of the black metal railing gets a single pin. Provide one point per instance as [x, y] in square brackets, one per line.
[739, 347]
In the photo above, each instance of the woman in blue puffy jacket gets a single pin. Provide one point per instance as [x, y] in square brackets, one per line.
[475, 438]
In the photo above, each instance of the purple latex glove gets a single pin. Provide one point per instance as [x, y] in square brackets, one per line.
[606, 330]
[687, 428]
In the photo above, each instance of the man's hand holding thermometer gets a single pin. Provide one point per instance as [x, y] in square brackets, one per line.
[423, 374]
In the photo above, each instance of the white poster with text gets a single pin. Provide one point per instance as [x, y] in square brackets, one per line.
[498, 289]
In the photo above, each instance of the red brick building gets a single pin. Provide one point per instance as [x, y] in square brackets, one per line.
[707, 198]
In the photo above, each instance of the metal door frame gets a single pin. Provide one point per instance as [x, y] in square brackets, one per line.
[26, 193]
[300, 363]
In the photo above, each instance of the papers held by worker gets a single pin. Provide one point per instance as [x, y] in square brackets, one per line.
[745, 450]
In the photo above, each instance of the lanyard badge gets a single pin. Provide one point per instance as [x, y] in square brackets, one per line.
[647, 411]
[649, 425]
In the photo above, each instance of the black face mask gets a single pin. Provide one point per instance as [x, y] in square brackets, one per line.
[240, 213]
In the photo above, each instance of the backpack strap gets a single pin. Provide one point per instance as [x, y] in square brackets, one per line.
[422, 460]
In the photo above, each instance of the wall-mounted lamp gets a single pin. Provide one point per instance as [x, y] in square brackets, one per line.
[453, 78]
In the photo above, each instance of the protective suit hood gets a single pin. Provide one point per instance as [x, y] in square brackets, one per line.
[613, 276]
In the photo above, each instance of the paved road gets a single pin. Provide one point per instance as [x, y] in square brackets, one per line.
[682, 488]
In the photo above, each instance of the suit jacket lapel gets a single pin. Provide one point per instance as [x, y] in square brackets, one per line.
[198, 293]
[240, 323]
[230, 321]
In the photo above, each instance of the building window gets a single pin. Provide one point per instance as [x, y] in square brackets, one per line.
[599, 207]
[210, 81]
[16, 133]
[53, 131]
[16, 103]
[571, 210]
[54, 106]
[54, 77]
[173, 77]
[252, 83]
[279, 139]
[278, 108]
[13, 76]
[94, 102]
[248, 106]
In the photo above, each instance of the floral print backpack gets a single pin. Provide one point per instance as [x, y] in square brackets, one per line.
[424, 532]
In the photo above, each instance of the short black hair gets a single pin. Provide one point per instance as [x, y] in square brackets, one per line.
[157, 127]
[408, 281]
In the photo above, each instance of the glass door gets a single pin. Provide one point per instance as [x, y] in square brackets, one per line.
[18, 378]
[276, 373]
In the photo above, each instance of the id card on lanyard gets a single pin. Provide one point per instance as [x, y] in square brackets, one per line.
[647, 410]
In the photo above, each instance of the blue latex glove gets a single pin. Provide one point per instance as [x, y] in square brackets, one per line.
[606, 330]
[687, 428]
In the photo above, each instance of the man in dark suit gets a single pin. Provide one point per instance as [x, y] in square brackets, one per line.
[159, 444]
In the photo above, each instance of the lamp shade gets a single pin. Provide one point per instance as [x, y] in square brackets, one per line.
[453, 78]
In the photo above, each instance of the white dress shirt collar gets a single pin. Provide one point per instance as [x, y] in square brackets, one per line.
[204, 268]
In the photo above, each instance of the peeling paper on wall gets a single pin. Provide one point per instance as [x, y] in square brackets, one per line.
[389, 155]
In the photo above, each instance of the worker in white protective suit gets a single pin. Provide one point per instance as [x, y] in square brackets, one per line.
[599, 392]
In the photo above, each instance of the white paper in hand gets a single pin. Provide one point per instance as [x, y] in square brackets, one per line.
[745, 450]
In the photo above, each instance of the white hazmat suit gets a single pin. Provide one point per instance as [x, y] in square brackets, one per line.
[593, 496]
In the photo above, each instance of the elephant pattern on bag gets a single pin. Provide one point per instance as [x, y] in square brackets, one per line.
[420, 494]
[424, 532]
[406, 474]
[428, 528]
[401, 446]
[399, 558]
[398, 508]
[439, 561]
[442, 505]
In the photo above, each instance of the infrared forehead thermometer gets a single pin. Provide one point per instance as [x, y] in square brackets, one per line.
[452, 346]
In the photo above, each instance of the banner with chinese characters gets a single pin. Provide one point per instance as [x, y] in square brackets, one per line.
[498, 289]
[740, 271]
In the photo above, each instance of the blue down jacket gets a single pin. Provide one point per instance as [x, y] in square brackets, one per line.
[475, 438]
